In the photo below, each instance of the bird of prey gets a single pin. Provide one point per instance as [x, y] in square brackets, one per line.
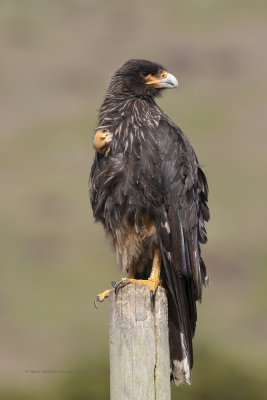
[150, 194]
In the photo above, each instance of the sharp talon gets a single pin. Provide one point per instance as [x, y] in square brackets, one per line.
[116, 287]
[95, 301]
[113, 283]
[152, 298]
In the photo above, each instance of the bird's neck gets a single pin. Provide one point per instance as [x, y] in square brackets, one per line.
[130, 109]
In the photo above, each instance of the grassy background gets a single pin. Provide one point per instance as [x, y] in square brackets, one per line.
[56, 59]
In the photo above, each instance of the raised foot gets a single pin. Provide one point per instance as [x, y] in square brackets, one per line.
[101, 141]
[152, 283]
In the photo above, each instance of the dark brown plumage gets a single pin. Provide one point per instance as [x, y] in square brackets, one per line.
[149, 192]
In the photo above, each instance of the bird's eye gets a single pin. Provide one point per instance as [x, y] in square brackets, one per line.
[163, 75]
[143, 74]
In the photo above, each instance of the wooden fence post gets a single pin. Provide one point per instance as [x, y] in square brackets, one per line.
[139, 345]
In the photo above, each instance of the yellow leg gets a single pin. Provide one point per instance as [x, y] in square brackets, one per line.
[153, 281]
[155, 271]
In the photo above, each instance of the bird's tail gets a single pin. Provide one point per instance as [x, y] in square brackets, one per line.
[181, 352]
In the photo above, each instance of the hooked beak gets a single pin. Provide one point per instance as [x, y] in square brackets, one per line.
[170, 82]
[164, 81]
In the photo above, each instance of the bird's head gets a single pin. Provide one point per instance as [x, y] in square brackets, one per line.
[142, 78]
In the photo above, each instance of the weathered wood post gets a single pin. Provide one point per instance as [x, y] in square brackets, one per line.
[139, 345]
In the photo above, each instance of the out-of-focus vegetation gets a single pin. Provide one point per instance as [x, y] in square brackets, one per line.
[56, 59]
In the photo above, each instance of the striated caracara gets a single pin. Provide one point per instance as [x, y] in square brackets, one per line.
[150, 194]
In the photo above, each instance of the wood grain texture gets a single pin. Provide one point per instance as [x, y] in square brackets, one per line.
[139, 345]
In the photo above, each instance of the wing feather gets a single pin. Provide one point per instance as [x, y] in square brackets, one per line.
[184, 211]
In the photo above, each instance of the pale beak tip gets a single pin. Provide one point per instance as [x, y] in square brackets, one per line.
[170, 82]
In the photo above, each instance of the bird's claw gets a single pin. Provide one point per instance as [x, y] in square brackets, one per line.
[95, 301]
[117, 285]
[153, 284]
[101, 297]
[151, 296]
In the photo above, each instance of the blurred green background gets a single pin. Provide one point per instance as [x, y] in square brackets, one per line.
[56, 60]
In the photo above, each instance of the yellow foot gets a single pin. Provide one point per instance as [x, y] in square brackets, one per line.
[101, 297]
[152, 283]
[101, 141]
